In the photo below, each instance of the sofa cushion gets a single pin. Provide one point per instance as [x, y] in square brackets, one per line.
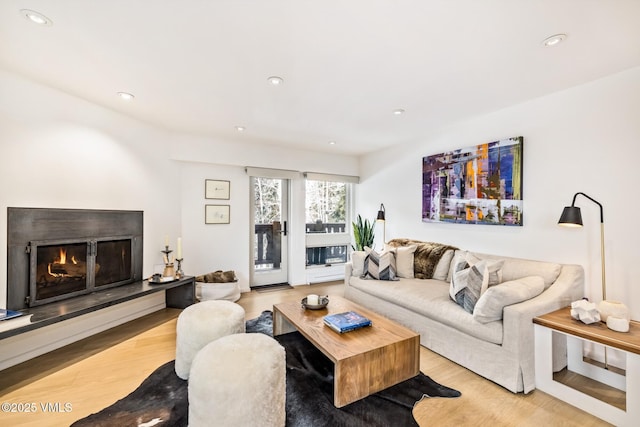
[357, 262]
[404, 259]
[471, 278]
[442, 268]
[379, 266]
[490, 305]
[430, 298]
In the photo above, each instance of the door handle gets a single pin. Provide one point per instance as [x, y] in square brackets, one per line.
[284, 228]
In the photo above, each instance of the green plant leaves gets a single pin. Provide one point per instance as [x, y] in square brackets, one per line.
[363, 233]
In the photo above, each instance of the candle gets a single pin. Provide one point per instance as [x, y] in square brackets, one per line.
[166, 240]
[179, 248]
[312, 299]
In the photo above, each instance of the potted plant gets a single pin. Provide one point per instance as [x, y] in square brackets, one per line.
[363, 233]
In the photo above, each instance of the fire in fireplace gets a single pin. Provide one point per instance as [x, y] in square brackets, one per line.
[65, 269]
[55, 254]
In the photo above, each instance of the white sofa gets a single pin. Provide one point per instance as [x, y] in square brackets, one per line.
[501, 350]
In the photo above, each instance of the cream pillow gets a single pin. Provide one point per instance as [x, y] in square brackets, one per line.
[442, 268]
[491, 304]
[404, 259]
[357, 261]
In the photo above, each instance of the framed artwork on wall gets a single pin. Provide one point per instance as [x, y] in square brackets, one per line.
[217, 214]
[216, 189]
[481, 184]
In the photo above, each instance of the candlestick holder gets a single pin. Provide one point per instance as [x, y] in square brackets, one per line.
[169, 271]
[179, 272]
[166, 253]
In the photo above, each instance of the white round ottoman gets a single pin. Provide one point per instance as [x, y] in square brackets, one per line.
[201, 323]
[229, 291]
[238, 380]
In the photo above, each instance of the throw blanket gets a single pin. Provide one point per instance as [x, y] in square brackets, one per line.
[426, 256]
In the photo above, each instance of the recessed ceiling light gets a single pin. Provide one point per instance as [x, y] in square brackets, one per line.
[554, 40]
[126, 96]
[36, 17]
[275, 80]
[332, 143]
[398, 111]
[240, 128]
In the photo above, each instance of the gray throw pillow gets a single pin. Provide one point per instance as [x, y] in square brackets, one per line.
[469, 282]
[379, 266]
[491, 304]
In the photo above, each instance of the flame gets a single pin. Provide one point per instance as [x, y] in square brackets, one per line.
[60, 260]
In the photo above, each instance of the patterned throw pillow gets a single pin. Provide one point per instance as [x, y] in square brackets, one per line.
[379, 266]
[469, 282]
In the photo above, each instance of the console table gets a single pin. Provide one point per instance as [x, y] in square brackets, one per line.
[178, 294]
[560, 321]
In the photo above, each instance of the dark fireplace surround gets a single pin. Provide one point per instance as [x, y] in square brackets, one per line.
[56, 254]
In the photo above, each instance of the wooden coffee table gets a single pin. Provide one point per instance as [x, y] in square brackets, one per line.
[366, 360]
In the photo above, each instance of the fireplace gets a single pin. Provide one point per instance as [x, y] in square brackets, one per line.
[55, 254]
[64, 269]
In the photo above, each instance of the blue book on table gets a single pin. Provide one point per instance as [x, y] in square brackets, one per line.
[345, 322]
[9, 314]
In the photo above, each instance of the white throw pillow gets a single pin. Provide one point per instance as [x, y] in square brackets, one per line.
[491, 304]
[404, 259]
[357, 261]
[442, 268]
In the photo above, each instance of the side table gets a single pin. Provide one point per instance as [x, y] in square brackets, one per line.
[560, 321]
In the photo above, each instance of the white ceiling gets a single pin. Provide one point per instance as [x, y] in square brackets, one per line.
[201, 66]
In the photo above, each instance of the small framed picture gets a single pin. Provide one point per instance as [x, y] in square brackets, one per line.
[216, 189]
[217, 214]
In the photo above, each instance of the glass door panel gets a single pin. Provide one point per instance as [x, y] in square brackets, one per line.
[270, 209]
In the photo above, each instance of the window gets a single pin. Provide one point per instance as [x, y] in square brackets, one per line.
[326, 219]
[325, 206]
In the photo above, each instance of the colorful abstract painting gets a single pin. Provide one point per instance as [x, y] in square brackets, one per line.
[474, 185]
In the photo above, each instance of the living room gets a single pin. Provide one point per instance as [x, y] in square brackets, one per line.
[62, 150]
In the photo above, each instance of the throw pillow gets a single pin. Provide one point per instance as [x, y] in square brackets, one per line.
[470, 281]
[404, 259]
[442, 268]
[357, 262]
[491, 304]
[379, 266]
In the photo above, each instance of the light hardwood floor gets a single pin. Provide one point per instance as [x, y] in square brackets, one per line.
[95, 372]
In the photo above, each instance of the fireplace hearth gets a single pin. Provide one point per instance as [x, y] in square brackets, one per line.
[56, 254]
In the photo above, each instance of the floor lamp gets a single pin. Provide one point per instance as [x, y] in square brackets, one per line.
[572, 217]
[381, 218]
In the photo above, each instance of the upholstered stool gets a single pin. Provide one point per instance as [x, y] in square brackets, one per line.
[211, 291]
[201, 323]
[238, 380]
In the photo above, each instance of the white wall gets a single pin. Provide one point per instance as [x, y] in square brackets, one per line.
[584, 139]
[210, 247]
[62, 152]
[59, 151]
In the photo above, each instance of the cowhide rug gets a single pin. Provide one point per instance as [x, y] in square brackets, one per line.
[161, 399]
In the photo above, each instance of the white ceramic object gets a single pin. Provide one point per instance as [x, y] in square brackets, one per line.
[585, 311]
[617, 324]
[617, 309]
